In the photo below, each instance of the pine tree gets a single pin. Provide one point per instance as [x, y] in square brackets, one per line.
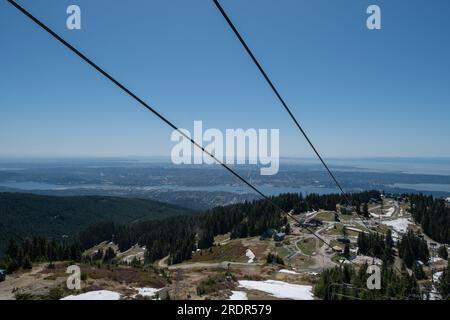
[442, 252]
[347, 251]
[109, 255]
[287, 229]
[365, 210]
[27, 263]
[418, 271]
[206, 239]
[444, 284]
[13, 249]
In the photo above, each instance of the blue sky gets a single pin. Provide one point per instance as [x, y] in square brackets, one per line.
[357, 92]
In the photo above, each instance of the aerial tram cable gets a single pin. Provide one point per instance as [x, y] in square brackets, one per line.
[278, 95]
[160, 116]
[283, 103]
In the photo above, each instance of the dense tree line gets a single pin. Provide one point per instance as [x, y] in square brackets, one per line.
[442, 252]
[433, 215]
[347, 283]
[24, 215]
[411, 248]
[178, 236]
[38, 249]
[326, 201]
[444, 284]
[172, 236]
[376, 245]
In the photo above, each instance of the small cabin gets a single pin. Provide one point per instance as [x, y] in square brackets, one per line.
[279, 236]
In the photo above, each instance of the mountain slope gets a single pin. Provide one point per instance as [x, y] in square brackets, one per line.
[23, 214]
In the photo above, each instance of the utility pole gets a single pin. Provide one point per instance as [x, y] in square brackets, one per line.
[177, 284]
[382, 211]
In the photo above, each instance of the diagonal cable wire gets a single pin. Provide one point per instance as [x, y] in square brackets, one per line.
[159, 115]
[284, 104]
[274, 89]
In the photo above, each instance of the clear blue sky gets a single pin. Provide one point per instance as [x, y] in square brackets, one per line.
[357, 92]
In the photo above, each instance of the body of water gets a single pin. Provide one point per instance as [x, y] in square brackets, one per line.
[239, 189]
[423, 186]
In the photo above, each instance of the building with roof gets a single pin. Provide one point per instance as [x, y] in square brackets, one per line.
[279, 236]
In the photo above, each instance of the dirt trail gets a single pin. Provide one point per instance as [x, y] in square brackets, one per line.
[223, 265]
[163, 262]
[22, 281]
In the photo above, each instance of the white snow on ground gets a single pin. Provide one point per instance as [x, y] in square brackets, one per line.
[448, 199]
[389, 212]
[288, 271]
[355, 229]
[436, 259]
[435, 294]
[399, 225]
[139, 256]
[310, 213]
[436, 276]
[95, 295]
[374, 215]
[146, 292]
[280, 289]
[250, 255]
[238, 295]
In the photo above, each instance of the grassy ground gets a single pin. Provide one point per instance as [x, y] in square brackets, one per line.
[325, 216]
[339, 231]
[233, 251]
[307, 246]
[221, 237]
[282, 252]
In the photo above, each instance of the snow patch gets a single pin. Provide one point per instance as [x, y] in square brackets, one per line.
[399, 225]
[310, 213]
[146, 292]
[287, 271]
[139, 256]
[95, 295]
[435, 293]
[250, 255]
[280, 289]
[389, 212]
[238, 295]
[436, 276]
